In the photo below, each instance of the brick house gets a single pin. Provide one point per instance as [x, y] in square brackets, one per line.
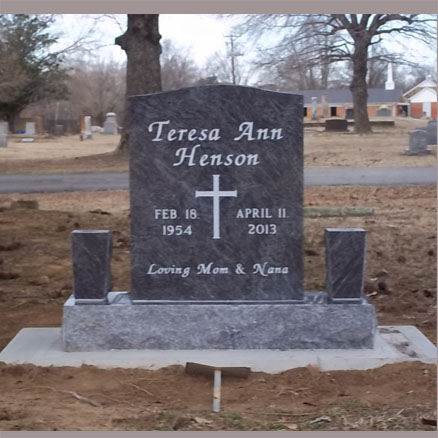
[422, 99]
[340, 101]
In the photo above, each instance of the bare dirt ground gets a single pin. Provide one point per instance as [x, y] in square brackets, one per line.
[35, 280]
[384, 148]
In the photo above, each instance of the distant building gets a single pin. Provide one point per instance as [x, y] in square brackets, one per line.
[422, 99]
[340, 101]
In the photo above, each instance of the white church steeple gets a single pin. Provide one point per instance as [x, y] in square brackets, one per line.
[389, 84]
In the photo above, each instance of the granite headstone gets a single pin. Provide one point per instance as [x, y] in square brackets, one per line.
[337, 125]
[59, 129]
[383, 112]
[418, 142]
[216, 188]
[216, 195]
[432, 132]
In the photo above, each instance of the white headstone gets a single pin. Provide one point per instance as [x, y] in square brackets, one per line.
[110, 124]
[87, 120]
[314, 108]
[325, 105]
[30, 128]
[3, 134]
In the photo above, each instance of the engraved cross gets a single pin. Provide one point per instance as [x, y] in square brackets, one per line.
[216, 194]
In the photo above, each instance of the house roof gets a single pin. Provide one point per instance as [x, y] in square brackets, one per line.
[427, 83]
[344, 96]
[422, 95]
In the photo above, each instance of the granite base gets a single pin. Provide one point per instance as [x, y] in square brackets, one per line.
[313, 324]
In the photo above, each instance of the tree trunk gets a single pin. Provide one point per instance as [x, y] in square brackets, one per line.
[141, 42]
[12, 117]
[359, 89]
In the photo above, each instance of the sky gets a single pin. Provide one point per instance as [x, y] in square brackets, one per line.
[201, 34]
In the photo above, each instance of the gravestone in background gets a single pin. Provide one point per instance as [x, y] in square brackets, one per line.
[59, 129]
[216, 195]
[418, 142]
[4, 134]
[110, 124]
[383, 112]
[87, 128]
[431, 132]
[336, 125]
[315, 108]
[30, 128]
[349, 113]
[325, 105]
[216, 189]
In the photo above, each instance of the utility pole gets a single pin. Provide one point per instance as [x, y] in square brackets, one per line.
[233, 54]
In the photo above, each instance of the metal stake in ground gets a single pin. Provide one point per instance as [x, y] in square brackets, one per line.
[207, 370]
[217, 391]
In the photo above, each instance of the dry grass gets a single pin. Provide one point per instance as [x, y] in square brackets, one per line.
[384, 148]
[56, 148]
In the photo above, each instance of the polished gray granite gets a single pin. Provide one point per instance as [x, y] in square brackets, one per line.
[313, 324]
[91, 263]
[216, 183]
[345, 263]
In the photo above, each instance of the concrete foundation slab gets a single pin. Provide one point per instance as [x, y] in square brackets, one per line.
[43, 347]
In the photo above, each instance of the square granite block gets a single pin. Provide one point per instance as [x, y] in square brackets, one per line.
[91, 260]
[345, 263]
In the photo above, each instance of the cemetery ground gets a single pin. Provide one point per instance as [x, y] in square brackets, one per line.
[385, 148]
[35, 281]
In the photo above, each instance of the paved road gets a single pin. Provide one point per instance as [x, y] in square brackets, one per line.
[69, 182]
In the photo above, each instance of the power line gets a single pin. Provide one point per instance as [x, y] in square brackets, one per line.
[233, 54]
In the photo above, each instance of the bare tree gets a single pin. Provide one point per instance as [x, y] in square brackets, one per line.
[141, 42]
[407, 76]
[323, 39]
[291, 70]
[219, 66]
[178, 69]
[97, 88]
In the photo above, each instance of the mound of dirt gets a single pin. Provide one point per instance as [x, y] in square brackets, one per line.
[35, 281]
